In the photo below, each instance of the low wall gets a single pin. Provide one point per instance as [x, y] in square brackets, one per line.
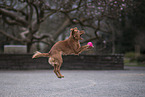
[85, 62]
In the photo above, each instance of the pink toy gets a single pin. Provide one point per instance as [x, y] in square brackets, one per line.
[90, 44]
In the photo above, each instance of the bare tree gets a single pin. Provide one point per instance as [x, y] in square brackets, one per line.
[26, 16]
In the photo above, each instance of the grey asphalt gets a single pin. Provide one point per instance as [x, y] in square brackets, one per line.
[76, 83]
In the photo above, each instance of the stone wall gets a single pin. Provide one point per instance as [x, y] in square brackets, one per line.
[81, 62]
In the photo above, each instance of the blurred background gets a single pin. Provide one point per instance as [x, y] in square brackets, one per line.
[114, 26]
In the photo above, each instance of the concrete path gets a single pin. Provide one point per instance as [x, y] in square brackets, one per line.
[76, 83]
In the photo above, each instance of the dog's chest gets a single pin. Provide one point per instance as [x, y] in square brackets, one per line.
[69, 49]
[67, 52]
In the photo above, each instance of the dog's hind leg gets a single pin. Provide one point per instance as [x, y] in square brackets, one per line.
[60, 61]
[58, 70]
[55, 70]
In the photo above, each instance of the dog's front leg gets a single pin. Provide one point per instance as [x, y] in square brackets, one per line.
[81, 49]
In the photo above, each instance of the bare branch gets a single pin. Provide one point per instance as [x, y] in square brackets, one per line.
[10, 36]
[37, 41]
[14, 16]
[43, 37]
[15, 10]
[61, 28]
[68, 11]
[91, 39]
[30, 14]
[46, 16]
[23, 34]
[37, 13]
[10, 22]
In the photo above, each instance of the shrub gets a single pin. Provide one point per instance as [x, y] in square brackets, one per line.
[130, 55]
[141, 59]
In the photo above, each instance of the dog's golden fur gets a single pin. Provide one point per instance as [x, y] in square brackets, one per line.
[65, 47]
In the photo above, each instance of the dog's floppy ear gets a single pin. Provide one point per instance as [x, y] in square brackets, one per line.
[75, 28]
[72, 31]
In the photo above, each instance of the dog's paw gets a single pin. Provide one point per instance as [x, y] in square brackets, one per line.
[61, 76]
[87, 46]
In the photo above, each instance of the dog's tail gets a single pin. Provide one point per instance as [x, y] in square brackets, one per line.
[39, 54]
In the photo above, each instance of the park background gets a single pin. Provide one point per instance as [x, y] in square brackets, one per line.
[114, 26]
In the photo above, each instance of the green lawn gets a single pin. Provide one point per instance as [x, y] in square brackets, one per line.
[127, 62]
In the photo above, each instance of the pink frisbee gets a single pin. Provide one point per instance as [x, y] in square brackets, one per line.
[90, 44]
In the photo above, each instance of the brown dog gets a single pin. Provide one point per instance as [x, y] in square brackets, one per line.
[65, 47]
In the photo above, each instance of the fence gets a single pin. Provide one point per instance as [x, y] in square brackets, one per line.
[82, 62]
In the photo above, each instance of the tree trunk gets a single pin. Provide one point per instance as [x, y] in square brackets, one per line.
[113, 42]
[29, 45]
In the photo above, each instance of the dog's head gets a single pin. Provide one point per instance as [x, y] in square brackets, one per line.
[76, 34]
